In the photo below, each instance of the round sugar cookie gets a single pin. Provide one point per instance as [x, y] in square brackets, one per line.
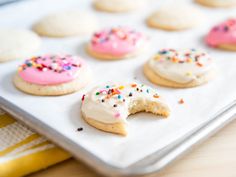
[107, 107]
[52, 75]
[175, 17]
[180, 69]
[118, 5]
[18, 44]
[117, 43]
[223, 35]
[64, 24]
[217, 3]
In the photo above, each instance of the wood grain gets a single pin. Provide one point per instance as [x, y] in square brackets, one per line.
[216, 157]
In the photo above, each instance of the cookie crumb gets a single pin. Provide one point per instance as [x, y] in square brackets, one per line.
[83, 97]
[181, 101]
[156, 96]
[80, 129]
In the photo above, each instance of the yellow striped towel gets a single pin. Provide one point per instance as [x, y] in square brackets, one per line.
[22, 151]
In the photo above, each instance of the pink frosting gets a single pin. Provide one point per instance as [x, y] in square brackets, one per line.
[224, 33]
[50, 69]
[116, 41]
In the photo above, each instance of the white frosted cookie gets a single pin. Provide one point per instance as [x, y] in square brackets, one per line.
[17, 44]
[180, 69]
[118, 5]
[217, 3]
[63, 24]
[175, 17]
[107, 107]
[51, 75]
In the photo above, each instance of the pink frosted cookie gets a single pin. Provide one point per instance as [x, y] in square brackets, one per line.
[116, 43]
[52, 75]
[223, 35]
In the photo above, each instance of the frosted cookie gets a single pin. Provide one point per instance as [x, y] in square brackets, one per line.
[180, 69]
[64, 24]
[177, 17]
[217, 3]
[107, 107]
[118, 5]
[223, 35]
[116, 43]
[52, 75]
[17, 44]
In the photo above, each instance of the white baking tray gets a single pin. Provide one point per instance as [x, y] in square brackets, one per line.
[152, 143]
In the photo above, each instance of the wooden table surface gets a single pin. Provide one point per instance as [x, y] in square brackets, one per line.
[216, 157]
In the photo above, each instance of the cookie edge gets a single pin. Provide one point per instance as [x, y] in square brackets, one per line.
[158, 80]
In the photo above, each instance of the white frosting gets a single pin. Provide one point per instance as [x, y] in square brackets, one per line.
[181, 66]
[107, 107]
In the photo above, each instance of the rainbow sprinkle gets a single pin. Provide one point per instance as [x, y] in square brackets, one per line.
[227, 26]
[119, 94]
[53, 63]
[116, 32]
[173, 56]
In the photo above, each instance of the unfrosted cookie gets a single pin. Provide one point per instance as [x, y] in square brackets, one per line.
[217, 3]
[107, 107]
[63, 24]
[180, 69]
[175, 17]
[17, 44]
[223, 35]
[52, 75]
[117, 43]
[118, 5]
